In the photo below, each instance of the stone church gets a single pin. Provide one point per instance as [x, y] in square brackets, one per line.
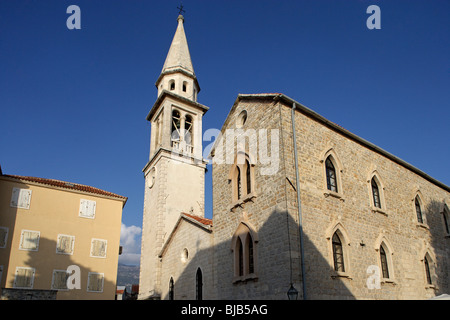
[302, 208]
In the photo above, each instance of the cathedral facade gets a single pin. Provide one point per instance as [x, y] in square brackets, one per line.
[300, 205]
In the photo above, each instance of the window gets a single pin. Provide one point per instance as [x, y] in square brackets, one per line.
[445, 216]
[65, 244]
[384, 263]
[243, 244]
[331, 175]
[29, 240]
[375, 194]
[20, 198]
[24, 278]
[3, 237]
[241, 176]
[59, 280]
[98, 248]
[338, 253]
[176, 122]
[87, 208]
[199, 285]
[241, 119]
[184, 86]
[171, 289]
[427, 271]
[172, 85]
[418, 210]
[95, 282]
[188, 126]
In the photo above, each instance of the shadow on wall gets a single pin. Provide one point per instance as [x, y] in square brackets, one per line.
[45, 268]
[435, 254]
[276, 265]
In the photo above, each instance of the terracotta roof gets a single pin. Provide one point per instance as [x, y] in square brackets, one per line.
[206, 222]
[67, 185]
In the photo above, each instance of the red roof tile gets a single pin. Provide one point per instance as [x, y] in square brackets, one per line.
[206, 222]
[67, 185]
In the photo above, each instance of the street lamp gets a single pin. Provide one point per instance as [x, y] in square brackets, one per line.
[292, 293]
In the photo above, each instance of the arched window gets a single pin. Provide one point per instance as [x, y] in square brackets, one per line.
[248, 177]
[188, 125]
[171, 289]
[338, 253]
[242, 178]
[427, 270]
[172, 85]
[199, 285]
[375, 193]
[384, 263]
[331, 175]
[418, 210]
[445, 216]
[243, 245]
[175, 135]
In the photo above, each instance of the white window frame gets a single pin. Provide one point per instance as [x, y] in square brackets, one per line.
[92, 248]
[87, 209]
[72, 244]
[102, 284]
[20, 198]
[31, 280]
[22, 239]
[53, 280]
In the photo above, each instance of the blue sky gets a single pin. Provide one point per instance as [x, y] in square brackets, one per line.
[73, 102]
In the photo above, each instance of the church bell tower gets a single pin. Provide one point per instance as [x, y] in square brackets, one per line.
[175, 172]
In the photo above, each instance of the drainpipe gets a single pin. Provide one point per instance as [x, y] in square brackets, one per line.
[300, 226]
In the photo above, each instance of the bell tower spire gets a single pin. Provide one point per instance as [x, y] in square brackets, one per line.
[178, 74]
[175, 172]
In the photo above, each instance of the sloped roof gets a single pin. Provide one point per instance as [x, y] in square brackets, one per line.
[66, 185]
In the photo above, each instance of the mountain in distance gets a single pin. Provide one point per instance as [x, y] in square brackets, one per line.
[127, 276]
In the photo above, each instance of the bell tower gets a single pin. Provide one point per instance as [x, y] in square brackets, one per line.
[175, 172]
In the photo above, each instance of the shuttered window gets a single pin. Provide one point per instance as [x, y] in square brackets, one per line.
[87, 208]
[98, 248]
[20, 198]
[95, 282]
[65, 244]
[24, 277]
[29, 240]
[59, 280]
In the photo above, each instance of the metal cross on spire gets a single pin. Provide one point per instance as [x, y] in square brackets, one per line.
[181, 8]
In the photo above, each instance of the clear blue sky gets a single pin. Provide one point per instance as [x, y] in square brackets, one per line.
[73, 102]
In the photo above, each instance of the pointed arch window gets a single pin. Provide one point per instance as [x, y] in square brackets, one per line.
[418, 210]
[331, 175]
[427, 270]
[242, 179]
[338, 253]
[243, 245]
[375, 193]
[384, 263]
[188, 131]
[199, 285]
[171, 289]
[446, 220]
[446, 226]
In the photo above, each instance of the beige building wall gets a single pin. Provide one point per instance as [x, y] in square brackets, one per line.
[54, 211]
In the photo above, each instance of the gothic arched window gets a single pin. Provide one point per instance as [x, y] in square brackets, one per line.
[199, 285]
[242, 178]
[384, 263]
[244, 245]
[338, 253]
[427, 270]
[375, 193]
[171, 289]
[331, 175]
[418, 210]
[188, 130]
[175, 132]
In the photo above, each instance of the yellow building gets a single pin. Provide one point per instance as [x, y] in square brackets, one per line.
[51, 231]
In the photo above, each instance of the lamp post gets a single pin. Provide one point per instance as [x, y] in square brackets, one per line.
[292, 293]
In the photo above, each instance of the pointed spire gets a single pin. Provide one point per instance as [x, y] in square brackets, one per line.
[178, 56]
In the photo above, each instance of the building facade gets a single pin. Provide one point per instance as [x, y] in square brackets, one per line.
[51, 230]
[298, 203]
